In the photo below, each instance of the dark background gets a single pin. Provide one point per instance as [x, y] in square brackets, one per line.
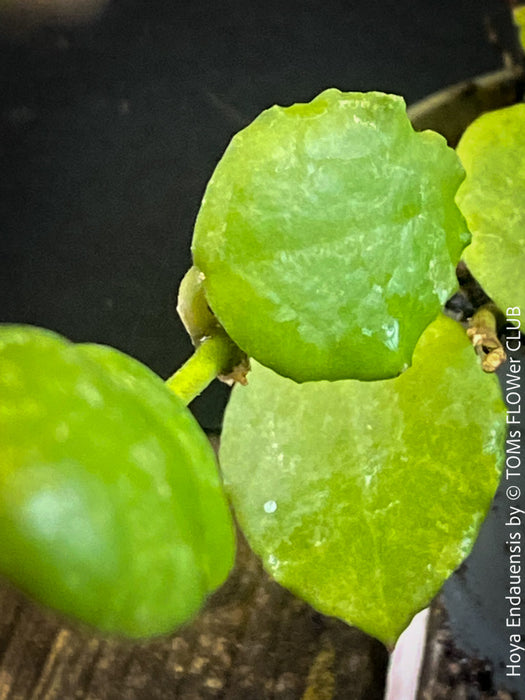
[109, 133]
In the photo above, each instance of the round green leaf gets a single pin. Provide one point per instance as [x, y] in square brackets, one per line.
[328, 236]
[492, 199]
[362, 497]
[111, 509]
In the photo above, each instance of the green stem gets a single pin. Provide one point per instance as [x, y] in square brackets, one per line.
[211, 358]
[216, 355]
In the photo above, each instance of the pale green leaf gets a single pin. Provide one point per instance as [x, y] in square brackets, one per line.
[328, 236]
[492, 199]
[111, 508]
[519, 19]
[362, 497]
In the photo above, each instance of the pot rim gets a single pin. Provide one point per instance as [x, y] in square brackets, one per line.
[451, 110]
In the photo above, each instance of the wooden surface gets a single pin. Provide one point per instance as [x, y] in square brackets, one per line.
[254, 640]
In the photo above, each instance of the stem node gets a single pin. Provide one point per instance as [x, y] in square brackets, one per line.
[483, 332]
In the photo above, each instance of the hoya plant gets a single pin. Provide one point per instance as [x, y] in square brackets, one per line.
[362, 443]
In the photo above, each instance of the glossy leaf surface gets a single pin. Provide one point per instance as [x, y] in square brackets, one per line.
[111, 508]
[328, 236]
[362, 497]
[492, 198]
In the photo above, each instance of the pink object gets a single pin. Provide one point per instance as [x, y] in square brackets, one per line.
[406, 660]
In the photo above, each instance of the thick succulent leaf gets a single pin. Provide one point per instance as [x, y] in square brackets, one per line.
[111, 508]
[492, 199]
[328, 236]
[362, 497]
